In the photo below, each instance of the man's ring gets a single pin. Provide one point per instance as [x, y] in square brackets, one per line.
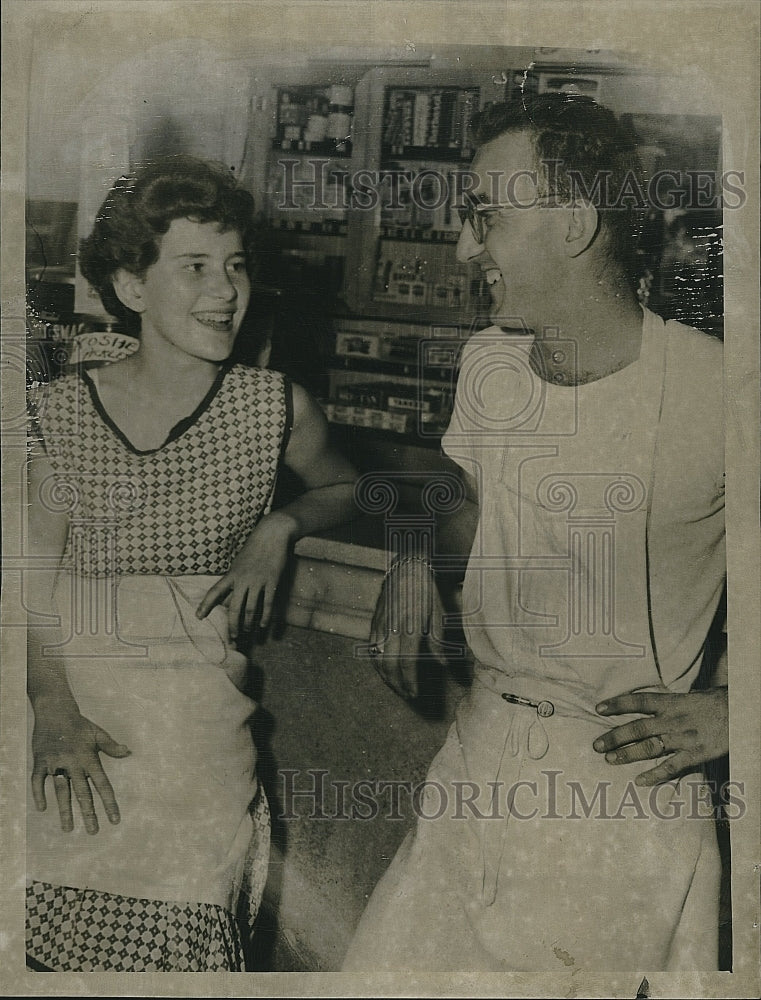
[61, 773]
[662, 748]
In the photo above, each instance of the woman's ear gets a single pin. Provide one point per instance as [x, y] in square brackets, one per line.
[129, 290]
[583, 224]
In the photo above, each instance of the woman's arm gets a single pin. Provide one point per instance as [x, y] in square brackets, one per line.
[65, 745]
[327, 500]
[328, 477]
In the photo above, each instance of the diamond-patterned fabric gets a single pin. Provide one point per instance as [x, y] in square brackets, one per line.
[183, 508]
[84, 930]
[81, 930]
[257, 860]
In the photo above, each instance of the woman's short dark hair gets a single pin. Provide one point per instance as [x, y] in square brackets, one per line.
[139, 210]
[579, 147]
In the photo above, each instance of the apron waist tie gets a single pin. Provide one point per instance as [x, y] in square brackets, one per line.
[525, 736]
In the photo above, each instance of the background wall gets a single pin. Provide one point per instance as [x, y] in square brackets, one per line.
[115, 83]
[133, 75]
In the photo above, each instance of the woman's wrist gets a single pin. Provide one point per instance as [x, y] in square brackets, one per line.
[53, 703]
[47, 685]
[399, 562]
[284, 521]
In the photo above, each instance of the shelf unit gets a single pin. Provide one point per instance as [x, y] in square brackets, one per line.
[402, 249]
[403, 245]
[299, 159]
[403, 278]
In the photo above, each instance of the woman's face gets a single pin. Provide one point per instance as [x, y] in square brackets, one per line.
[194, 297]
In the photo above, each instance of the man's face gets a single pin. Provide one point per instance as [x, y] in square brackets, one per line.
[520, 250]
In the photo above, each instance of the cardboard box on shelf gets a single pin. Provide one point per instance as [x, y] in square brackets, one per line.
[358, 345]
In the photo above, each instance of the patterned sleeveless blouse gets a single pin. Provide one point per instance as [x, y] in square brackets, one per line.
[183, 508]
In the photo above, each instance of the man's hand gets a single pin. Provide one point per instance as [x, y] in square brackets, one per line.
[407, 623]
[67, 747]
[254, 574]
[693, 728]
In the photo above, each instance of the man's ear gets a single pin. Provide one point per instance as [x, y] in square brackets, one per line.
[129, 290]
[583, 225]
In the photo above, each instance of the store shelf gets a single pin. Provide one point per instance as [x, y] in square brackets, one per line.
[392, 367]
[301, 148]
[467, 317]
[440, 154]
[428, 231]
[325, 228]
[403, 234]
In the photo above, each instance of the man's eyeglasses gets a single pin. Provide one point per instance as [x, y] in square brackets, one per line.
[477, 212]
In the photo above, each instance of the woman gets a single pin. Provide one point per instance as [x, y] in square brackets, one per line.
[152, 480]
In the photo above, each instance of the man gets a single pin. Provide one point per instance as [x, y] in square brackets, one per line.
[552, 831]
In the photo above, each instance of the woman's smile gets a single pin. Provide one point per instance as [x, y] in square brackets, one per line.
[195, 296]
[220, 322]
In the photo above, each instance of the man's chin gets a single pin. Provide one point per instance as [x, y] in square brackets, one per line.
[498, 311]
[508, 320]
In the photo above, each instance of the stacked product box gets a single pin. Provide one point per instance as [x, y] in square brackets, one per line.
[408, 274]
[366, 416]
[357, 343]
[293, 185]
[393, 375]
[432, 117]
[388, 406]
[407, 343]
[421, 200]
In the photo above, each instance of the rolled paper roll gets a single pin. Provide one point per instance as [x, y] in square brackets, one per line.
[341, 95]
[316, 129]
[339, 125]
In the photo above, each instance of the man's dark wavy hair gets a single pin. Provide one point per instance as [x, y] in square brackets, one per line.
[139, 210]
[583, 143]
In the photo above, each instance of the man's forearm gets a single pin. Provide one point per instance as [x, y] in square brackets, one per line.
[454, 540]
[720, 675]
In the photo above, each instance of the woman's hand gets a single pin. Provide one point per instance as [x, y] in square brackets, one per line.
[67, 747]
[693, 728]
[328, 482]
[254, 574]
